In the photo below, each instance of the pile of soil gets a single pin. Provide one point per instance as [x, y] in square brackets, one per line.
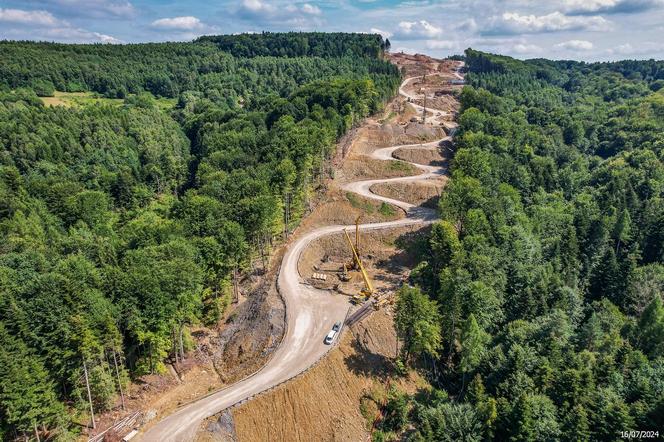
[364, 168]
[253, 332]
[435, 156]
[343, 208]
[420, 194]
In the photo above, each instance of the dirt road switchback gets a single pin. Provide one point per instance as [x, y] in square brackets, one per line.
[310, 313]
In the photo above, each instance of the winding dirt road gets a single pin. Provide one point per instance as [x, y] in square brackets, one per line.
[310, 313]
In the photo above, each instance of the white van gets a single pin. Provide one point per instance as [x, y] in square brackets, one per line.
[330, 337]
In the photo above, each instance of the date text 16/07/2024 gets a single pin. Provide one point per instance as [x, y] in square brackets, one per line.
[639, 434]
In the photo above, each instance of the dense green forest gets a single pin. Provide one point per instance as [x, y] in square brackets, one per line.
[537, 312]
[218, 71]
[297, 44]
[123, 225]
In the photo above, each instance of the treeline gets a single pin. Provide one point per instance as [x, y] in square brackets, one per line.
[168, 69]
[540, 298]
[300, 44]
[122, 226]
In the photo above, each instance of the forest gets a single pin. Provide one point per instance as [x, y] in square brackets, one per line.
[537, 310]
[123, 225]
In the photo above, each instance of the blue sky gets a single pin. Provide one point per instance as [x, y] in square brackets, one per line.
[575, 29]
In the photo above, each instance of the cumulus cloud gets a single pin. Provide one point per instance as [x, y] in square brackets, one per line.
[311, 9]
[417, 30]
[627, 49]
[76, 35]
[469, 25]
[187, 23]
[257, 7]
[575, 45]
[515, 23]
[610, 6]
[89, 8]
[263, 13]
[524, 48]
[440, 44]
[37, 18]
[42, 25]
[384, 34]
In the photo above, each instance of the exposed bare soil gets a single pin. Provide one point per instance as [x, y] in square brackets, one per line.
[435, 156]
[419, 194]
[381, 252]
[324, 403]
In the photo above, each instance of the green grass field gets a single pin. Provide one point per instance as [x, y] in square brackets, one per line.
[72, 99]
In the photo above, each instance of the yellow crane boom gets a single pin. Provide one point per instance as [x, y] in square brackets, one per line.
[357, 234]
[367, 282]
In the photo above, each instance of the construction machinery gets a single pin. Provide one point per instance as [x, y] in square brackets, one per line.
[368, 290]
[357, 234]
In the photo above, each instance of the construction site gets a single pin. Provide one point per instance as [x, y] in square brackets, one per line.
[265, 374]
[367, 267]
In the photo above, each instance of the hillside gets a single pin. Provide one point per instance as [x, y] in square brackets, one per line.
[544, 279]
[165, 209]
[125, 223]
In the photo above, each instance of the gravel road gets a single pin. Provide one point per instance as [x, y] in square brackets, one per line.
[310, 313]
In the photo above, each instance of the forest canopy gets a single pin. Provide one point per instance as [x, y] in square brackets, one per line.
[546, 271]
[123, 224]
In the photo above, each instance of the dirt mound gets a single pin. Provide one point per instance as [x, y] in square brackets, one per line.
[252, 334]
[434, 156]
[420, 194]
[344, 208]
[365, 168]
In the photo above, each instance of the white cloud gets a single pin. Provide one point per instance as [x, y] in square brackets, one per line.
[89, 8]
[610, 6]
[417, 30]
[42, 25]
[469, 25]
[63, 34]
[575, 45]
[257, 6]
[311, 9]
[38, 18]
[384, 34]
[440, 44]
[515, 23]
[524, 48]
[106, 38]
[265, 14]
[187, 23]
[627, 49]
[624, 49]
[588, 5]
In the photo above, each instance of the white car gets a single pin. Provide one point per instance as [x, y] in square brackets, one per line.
[330, 337]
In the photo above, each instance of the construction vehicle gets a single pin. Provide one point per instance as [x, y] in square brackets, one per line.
[367, 291]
